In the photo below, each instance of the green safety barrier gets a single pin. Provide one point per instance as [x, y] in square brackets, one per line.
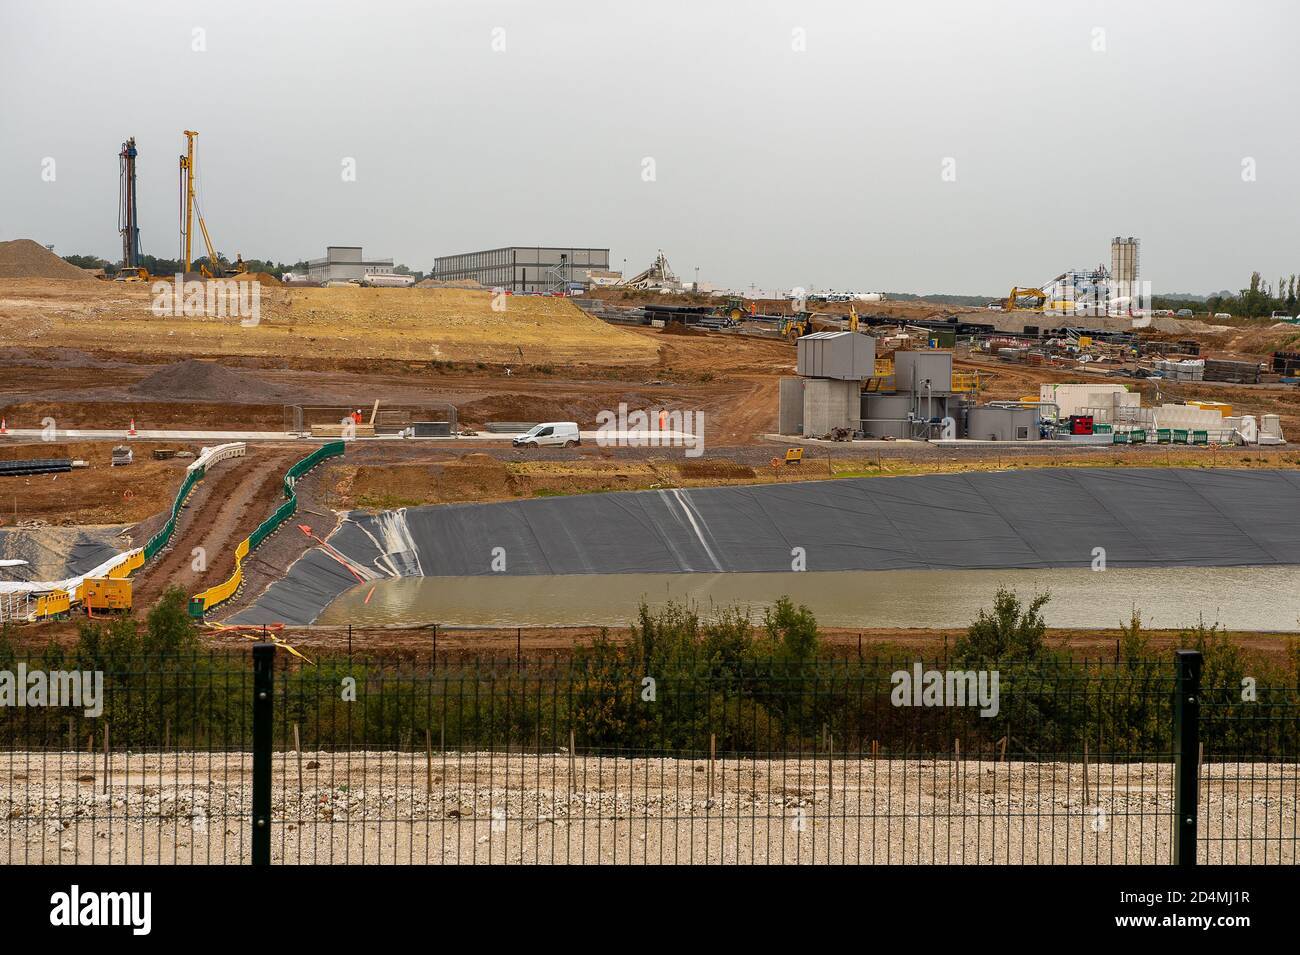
[202, 603]
[159, 540]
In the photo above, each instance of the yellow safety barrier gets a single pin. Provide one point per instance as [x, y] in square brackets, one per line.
[223, 591]
[793, 455]
[884, 367]
[965, 381]
[133, 562]
[55, 602]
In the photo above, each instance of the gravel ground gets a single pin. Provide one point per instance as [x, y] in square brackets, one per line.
[510, 808]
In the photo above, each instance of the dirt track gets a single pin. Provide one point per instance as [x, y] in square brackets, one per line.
[482, 808]
[236, 496]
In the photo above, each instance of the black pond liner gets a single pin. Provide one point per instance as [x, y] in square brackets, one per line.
[1031, 519]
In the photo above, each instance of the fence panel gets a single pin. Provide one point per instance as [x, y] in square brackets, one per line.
[1249, 793]
[153, 766]
[586, 759]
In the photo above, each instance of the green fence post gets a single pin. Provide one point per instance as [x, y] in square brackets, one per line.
[1187, 741]
[263, 675]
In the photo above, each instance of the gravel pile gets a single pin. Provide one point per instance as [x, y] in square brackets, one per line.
[205, 381]
[25, 259]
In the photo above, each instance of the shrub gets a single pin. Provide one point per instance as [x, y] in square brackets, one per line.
[1011, 632]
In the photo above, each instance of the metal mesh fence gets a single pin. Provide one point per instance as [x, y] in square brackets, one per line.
[572, 760]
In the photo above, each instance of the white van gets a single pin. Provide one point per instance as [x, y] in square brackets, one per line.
[550, 434]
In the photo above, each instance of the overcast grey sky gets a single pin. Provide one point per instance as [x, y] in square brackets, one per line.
[776, 165]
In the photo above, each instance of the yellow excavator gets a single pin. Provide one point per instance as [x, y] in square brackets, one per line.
[1018, 293]
[189, 211]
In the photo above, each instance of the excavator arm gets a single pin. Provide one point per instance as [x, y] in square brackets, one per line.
[1018, 293]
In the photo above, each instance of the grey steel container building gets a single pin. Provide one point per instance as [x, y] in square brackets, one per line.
[345, 263]
[523, 268]
[848, 356]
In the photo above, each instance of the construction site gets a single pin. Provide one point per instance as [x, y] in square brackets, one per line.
[521, 556]
[141, 422]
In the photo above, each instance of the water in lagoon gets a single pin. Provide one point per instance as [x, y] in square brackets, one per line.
[1241, 598]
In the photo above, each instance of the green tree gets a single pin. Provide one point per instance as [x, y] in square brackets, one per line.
[1011, 631]
[1134, 644]
[791, 630]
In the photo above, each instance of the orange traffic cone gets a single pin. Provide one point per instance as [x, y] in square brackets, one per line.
[131, 430]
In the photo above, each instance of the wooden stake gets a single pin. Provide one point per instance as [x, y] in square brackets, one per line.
[297, 748]
[1002, 756]
[956, 749]
[428, 761]
[573, 784]
[167, 734]
[106, 757]
[713, 748]
[830, 770]
[1086, 794]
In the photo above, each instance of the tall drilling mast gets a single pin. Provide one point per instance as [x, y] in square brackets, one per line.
[127, 222]
[189, 210]
[187, 197]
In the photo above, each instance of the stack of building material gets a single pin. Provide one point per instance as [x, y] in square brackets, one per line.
[1286, 363]
[1193, 370]
[1240, 372]
[30, 466]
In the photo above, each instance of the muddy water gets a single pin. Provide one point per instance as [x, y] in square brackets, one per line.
[1241, 598]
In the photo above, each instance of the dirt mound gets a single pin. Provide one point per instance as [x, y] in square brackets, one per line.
[459, 283]
[204, 381]
[678, 328]
[25, 259]
[265, 278]
[527, 408]
[582, 409]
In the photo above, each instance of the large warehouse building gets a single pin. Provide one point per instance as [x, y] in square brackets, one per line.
[523, 268]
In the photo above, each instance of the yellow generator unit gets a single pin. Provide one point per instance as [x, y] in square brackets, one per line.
[106, 593]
